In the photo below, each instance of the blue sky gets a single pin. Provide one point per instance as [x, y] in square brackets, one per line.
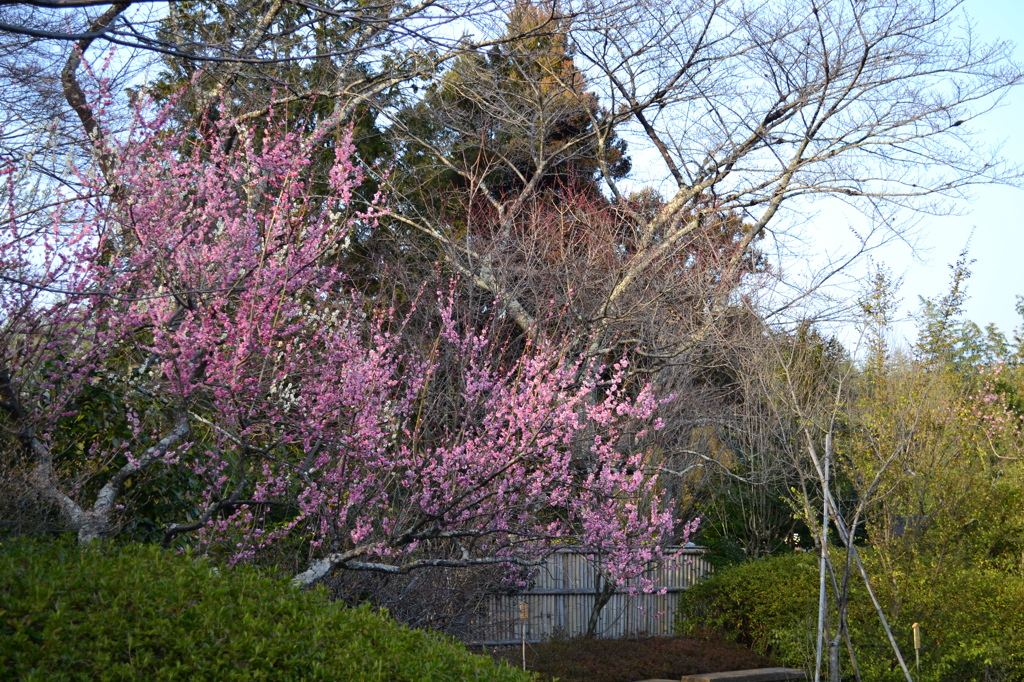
[996, 214]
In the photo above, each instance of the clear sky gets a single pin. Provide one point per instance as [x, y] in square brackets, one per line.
[996, 214]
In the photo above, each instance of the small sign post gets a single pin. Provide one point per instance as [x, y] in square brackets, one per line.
[917, 646]
[524, 615]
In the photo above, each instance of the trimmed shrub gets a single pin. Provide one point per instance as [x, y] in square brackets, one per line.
[768, 604]
[137, 612]
[972, 619]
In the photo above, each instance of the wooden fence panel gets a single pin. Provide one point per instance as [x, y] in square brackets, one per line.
[561, 597]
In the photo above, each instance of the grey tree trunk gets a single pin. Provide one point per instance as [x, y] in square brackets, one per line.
[603, 591]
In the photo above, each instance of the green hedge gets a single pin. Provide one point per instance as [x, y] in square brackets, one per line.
[768, 605]
[972, 619]
[138, 612]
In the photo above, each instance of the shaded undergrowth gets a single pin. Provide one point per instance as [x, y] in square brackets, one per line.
[628, 660]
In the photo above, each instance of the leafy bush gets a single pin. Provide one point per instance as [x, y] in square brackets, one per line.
[768, 605]
[137, 612]
[972, 619]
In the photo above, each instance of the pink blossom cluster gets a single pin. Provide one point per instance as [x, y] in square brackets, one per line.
[202, 281]
[1001, 426]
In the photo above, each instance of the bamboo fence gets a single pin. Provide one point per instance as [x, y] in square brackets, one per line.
[562, 594]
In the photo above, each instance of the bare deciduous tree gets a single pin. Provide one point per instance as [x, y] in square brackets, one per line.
[744, 108]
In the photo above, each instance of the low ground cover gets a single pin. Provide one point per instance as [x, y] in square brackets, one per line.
[627, 660]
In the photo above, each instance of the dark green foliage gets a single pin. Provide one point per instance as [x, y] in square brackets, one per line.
[741, 522]
[627, 660]
[136, 612]
[768, 604]
[972, 619]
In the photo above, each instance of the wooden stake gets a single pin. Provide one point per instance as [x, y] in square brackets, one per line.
[524, 614]
[917, 646]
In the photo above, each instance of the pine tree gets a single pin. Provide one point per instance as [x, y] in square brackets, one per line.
[518, 118]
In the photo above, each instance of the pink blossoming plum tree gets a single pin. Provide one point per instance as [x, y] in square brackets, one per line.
[195, 291]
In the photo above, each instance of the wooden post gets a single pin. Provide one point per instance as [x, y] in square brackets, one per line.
[917, 646]
[524, 614]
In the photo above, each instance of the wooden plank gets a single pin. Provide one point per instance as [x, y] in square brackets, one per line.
[756, 675]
